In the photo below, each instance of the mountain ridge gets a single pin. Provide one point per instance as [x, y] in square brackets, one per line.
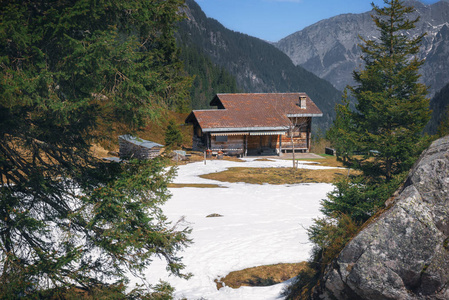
[258, 66]
[329, 48]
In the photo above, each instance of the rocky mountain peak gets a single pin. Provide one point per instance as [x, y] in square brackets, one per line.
[329, 48]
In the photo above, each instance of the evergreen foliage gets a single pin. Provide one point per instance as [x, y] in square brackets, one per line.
[359, 198]
[392, 108]
[69, 71]
[256, 65]
[209, 79]
[329, 237]
[173, 136]
[343, 134]
[381, 137]
[443, 129]
[439, 106]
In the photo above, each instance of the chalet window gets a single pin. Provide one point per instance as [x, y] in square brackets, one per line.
[221, 138]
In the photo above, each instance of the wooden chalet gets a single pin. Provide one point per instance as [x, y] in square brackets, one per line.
[255, 124]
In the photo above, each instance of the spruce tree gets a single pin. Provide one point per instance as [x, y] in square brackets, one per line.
[392, 108]
[71, 71]
[173, 136]
[342, 133]
[381, 137]
[443, 128]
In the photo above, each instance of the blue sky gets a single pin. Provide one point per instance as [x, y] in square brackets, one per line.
[272, 20]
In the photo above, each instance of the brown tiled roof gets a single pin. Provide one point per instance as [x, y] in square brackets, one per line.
[253, 111]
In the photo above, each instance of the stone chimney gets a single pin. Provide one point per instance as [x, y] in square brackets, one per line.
[302, 101]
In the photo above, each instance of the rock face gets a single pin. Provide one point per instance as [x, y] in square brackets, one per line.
[404, 253]
[330, 49]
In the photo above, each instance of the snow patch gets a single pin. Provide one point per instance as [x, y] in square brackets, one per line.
[260, 225]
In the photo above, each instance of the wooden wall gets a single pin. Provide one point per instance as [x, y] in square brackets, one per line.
[199, 140]
[235, 144]
[256, 144]
[301, 135]
[129, 150]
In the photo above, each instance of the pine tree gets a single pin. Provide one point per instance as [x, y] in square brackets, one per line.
[443, 128]
[173, 136]
[382, 137]
[392, 108]
[70, 72]
[386, 126]
[342, 133]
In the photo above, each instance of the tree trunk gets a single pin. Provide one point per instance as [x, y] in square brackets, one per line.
[293, 149]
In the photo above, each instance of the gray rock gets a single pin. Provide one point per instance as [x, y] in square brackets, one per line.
[329, 48]
[404, 253]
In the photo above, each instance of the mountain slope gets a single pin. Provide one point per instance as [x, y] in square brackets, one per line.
[257, 65]
[439, 105]
[329, 48]
[208, 78]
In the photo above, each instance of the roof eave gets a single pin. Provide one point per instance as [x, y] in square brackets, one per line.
[225, 129]
[304, 115]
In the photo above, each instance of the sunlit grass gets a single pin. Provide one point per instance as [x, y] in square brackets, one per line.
[277, 175]
[261, 276]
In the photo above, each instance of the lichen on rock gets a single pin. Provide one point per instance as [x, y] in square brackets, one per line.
[403, 254]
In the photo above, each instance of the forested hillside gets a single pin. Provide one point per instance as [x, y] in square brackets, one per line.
[208, 78]
[439, 106]
[256, 65]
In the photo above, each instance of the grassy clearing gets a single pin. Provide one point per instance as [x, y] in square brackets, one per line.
[261, 276]
[195, 185]
[326, 160]
[276, 175]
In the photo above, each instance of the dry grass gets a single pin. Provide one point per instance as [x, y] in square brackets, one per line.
[154, 131]
[214, 215]
[276, 175]
[326, 160]
[99, 152]
[263, 159]
[261, 276]
[319, 145]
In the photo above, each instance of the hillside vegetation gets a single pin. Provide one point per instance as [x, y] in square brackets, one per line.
[257, 66]
[439, 106]
[75, 74]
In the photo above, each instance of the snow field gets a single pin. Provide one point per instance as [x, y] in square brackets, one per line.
[261, 225]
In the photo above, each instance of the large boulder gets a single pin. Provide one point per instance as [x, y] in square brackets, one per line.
[404, 253]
